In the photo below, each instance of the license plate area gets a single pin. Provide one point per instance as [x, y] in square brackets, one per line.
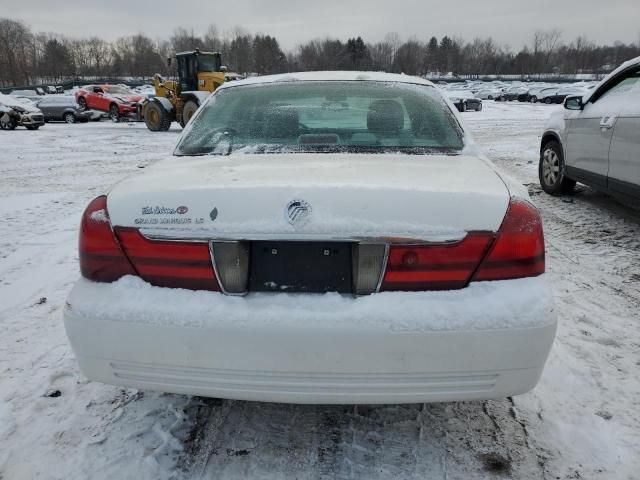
[310, 267]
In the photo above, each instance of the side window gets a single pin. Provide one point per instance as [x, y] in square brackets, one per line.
[628, 83]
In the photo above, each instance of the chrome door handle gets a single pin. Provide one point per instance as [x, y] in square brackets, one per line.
[607, 123]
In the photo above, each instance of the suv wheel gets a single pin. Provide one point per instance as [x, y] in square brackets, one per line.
[7, 122]
[69, 117]
[551, 170]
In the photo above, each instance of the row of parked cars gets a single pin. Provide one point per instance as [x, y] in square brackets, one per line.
[32, 108]
[469, 95]
[19, 111]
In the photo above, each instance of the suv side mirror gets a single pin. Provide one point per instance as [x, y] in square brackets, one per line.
[573, 102]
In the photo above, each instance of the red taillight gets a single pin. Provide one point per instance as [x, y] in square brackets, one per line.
[101, 258]
[169, 263]
[518, 250]
[435, 267]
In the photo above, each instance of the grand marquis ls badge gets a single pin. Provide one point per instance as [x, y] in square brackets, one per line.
[297, 212]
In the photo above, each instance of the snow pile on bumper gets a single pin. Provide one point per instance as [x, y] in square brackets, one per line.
[481, 306]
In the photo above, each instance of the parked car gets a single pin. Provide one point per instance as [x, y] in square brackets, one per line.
[596, 138]
[344, 255]
[19, 113]
[542, 94]
[530, 94]
[50, 89]
[59, 89]
[63, 108]
[511, 94]
[118, 100]
[488, 93]
[557, 95]
[465, 100]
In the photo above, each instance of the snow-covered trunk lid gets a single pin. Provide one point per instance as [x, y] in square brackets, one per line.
[305, 196]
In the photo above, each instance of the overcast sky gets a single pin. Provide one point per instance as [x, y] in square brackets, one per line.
[510, 22]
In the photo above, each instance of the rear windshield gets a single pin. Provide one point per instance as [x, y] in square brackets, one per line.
[323, 116]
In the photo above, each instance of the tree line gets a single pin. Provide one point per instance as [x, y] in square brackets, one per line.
[28, 57]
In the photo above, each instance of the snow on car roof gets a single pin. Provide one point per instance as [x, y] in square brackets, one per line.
[344, 76]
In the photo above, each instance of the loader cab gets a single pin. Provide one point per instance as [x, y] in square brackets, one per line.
[191, 64]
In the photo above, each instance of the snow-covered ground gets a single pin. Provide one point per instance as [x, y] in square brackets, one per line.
[581, 422]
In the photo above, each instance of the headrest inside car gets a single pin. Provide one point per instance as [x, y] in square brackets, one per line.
[385, 117]
[280, 122]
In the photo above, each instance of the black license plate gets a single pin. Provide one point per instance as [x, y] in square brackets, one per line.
[313, 267]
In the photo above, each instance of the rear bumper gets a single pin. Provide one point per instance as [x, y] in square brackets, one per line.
[300, 351]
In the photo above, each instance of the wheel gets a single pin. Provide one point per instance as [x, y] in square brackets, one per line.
[188, 110]
[69, 117]
[490, 97]
[114, 113]
[82, 103]
[551, 170]
[533, 99]
[8, 123]
[548, 101]
[156, 118]
[32, 127]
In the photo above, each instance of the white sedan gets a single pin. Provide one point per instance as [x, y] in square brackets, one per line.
[325, 237]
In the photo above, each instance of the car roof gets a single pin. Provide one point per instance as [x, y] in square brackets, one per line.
[329, 76]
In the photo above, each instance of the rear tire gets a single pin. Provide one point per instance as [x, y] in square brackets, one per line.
[533, 99]
[548, 101]
[114, 113]
[551, 170]
[69, 117]
[82, 103]
[190, 107]
[156, 118]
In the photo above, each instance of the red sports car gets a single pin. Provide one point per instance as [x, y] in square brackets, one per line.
[118, 100]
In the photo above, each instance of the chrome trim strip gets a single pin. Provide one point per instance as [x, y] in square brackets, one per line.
[307, 238]
[385, 260]
[215, 269]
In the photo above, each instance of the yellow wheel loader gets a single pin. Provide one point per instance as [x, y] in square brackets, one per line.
[199, 74]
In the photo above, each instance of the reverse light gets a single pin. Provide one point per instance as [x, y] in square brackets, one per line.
[101, 257]
[231, 260]
[518, 250]
[368, 262]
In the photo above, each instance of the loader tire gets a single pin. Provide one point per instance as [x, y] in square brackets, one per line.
[156, 118]
[190, 107]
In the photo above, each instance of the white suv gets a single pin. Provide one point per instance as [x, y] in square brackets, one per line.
[596, 138]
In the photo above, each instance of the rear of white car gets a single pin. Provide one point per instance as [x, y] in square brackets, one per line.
[371, 257]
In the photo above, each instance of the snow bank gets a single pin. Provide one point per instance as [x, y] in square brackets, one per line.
[481, 306]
